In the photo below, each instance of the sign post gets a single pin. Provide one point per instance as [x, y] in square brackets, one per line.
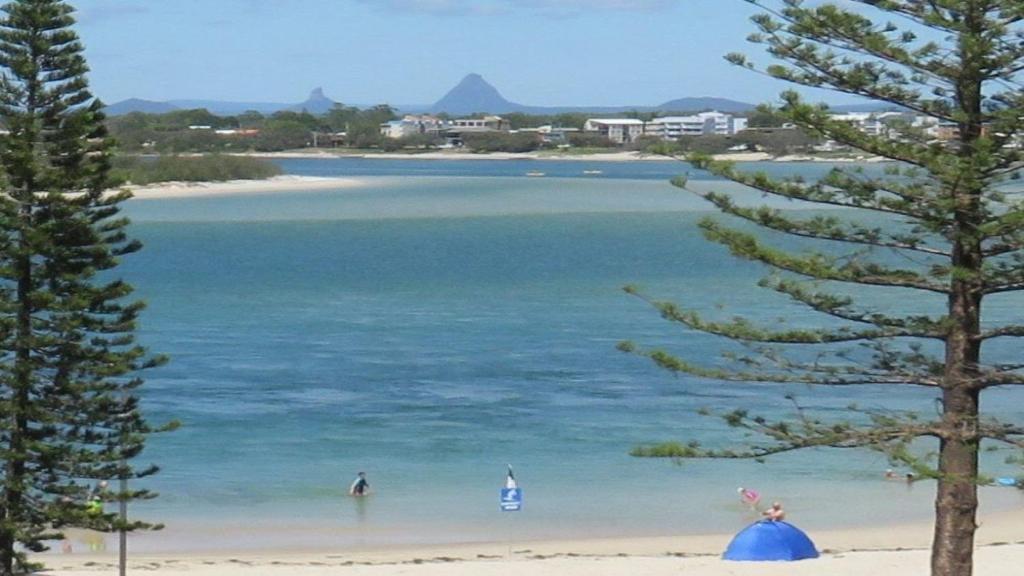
[511, 499]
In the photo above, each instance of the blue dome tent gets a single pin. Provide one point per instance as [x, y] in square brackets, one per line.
[770, 540]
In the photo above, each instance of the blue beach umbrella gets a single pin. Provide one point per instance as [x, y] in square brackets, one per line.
[770, 540]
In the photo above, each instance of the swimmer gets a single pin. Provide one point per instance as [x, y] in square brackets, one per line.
[749, 497]
[359, 487]
[890, 474]
[775, 513]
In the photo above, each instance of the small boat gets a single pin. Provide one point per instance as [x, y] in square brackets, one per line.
[593, 172]
[534, 173]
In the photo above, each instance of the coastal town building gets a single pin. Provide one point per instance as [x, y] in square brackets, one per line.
[618, 130]
[675, 127]
[455, 129]
[411, 125]
[553, 135]
[487, 123]
[892, 124]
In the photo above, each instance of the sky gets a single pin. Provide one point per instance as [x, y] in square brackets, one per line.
[536, 52]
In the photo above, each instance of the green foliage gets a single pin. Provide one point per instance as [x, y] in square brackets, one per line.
[211, 168]
[183, 131]
[765, 117]
[69, 362]
[414, 142]
[589, 140]
[501, 141]
[941, 208]
[282, 134]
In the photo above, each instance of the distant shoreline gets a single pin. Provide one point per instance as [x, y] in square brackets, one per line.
[619, 156]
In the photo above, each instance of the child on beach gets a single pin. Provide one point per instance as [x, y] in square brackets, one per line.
[775, 513]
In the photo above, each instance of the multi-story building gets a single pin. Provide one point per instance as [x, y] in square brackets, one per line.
[618, 130]
[674, 127]
[492, 123]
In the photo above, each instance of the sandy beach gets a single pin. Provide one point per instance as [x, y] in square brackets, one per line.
[880, 551]
[270, 185]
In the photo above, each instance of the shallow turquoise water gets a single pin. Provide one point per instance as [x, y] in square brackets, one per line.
[429, 330]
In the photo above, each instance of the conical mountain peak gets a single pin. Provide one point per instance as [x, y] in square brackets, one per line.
[473, 94]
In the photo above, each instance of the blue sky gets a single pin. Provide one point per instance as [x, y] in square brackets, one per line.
[539, 52]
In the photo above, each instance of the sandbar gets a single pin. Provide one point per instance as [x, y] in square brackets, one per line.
[276, 184]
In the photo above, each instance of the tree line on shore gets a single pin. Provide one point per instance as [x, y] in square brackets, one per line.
[200, 131]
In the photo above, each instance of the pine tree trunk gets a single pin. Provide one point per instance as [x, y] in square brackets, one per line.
[956, 503]
[20, 397]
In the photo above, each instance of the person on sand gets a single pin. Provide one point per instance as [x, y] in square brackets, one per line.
[359, 487]
[94, 506]
[775, 513]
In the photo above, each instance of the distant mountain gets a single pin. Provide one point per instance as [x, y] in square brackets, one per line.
[317, 103]
[138, 105]
[867, 107]
[474, 94]
[223, 108]
[705, 103]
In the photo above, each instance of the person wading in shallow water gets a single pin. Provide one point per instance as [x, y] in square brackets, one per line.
[359, 487]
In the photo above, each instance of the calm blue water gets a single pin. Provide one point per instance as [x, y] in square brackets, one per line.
[442, 321]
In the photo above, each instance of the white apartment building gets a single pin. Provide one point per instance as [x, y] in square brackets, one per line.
[886, 123]
[674, 127]
[618, 130]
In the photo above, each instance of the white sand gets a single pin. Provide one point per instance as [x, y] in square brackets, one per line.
[233, 187]
[883, 551]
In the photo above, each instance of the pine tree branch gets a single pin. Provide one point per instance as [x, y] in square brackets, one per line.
[820, 376]
[831, 26]
[819, 227]
[742, 330]
[858, 78]
[888, 433]
[1005, 331]
[816, 265]
[838, 307]
[821, 192]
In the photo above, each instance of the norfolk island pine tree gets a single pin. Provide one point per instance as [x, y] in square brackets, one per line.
[69, 414]
[957, 232]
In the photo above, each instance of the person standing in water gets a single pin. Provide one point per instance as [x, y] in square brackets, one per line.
[510, 479]
[359, 487]
[749, 497]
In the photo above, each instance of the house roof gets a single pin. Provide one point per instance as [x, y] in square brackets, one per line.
[620, 121]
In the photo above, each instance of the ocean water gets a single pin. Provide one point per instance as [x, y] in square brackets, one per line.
[449, 318]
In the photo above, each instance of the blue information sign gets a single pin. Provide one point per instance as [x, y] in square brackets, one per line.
[511, 499]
